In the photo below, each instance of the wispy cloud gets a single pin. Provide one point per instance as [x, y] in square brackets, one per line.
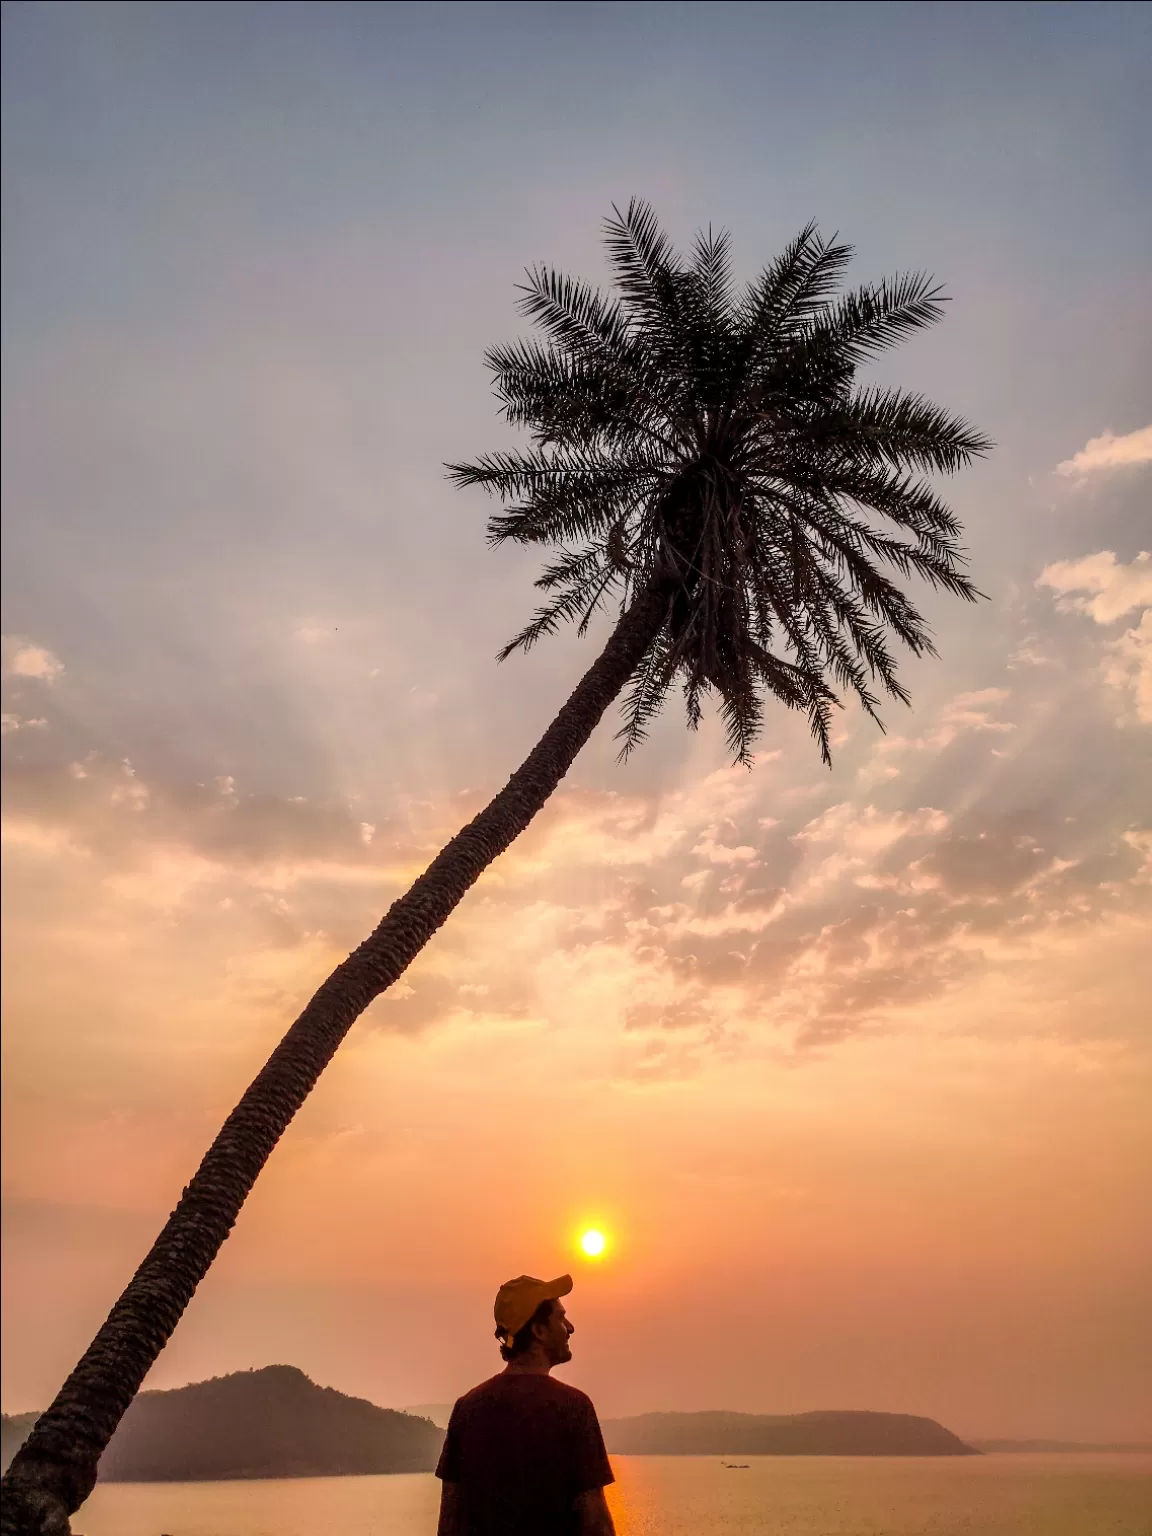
[24, 658]
[687, 909]
[1128, 666]
[1100, 585]
[1109, 452]
[1106, 590]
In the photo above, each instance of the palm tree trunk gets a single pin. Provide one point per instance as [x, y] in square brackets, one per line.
[55, 1470]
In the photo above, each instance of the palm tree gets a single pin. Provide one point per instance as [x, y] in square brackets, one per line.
[704, 459]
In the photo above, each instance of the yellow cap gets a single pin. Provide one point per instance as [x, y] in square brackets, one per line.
[516, 1300]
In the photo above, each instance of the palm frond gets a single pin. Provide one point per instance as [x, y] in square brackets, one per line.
[905, 430]
[649, 275]
[645, 697]
[577, 319]
[790, 292]
[868, 321]
[712, 269]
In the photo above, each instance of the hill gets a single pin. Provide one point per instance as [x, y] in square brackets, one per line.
[1065, 1447]
[14, 1430]
[438, 1412]
[799, 1434]
[269, 1423]
[275, 1422]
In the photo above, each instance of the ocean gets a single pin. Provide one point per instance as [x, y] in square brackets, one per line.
[995, 1495]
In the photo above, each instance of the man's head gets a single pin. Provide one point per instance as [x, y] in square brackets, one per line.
[531, 1322]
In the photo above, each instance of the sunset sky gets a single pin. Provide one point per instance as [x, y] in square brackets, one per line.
[854, 1066]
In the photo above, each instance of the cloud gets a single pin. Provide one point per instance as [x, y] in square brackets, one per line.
[714, 852]
[857, 831]
[9, 724]
[1105, 590]
[1109, 452]
[1128, 666]
[686, 913]
[24, 658]
[261, 841]
[966, 714]
[1099, 585]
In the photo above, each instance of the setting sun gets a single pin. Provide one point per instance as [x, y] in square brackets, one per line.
[593, 1244]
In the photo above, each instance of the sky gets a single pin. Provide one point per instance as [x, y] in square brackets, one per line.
[852, 1066]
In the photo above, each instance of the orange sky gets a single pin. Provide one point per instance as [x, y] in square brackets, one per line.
[854, 1066]
[868, 1129]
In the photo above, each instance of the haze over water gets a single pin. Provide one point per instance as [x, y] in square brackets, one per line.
[1033, 1495]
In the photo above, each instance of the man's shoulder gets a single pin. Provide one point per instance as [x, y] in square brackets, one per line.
[569, 1394]
[524, 1384]
[479, 1392]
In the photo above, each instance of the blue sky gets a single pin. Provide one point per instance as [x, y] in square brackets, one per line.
[191, 190]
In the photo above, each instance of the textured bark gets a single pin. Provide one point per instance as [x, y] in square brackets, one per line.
[55, 1470]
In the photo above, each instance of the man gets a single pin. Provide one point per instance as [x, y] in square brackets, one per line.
[524, 1455]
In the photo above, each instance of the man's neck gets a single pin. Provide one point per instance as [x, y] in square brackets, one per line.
[533, 1362]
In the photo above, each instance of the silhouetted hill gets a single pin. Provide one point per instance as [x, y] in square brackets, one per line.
[277, 1423]
[1065, 1447]
[799, 1434]
[269, 1423]
[15, 1429]
[437, 1412]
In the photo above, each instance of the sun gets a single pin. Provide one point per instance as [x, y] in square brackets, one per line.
[593, 1243]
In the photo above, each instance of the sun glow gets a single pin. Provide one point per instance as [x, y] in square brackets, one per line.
[593, 1243]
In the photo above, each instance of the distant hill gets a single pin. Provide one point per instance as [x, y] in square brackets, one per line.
[277, 1423]
[799, 1434]
[1066, 1447]
[439, 1413]
[14, 1430]
[269, 1423]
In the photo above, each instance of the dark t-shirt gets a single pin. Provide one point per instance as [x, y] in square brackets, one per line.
[522, 1448]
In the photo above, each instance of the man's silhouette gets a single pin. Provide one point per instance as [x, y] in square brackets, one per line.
[524, 1455]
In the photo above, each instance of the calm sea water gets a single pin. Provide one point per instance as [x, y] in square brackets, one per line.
[1084, 1495]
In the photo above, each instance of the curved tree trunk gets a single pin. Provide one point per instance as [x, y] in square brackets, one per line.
[55, 1470]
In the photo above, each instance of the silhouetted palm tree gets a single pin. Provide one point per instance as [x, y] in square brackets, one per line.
[705, 459]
